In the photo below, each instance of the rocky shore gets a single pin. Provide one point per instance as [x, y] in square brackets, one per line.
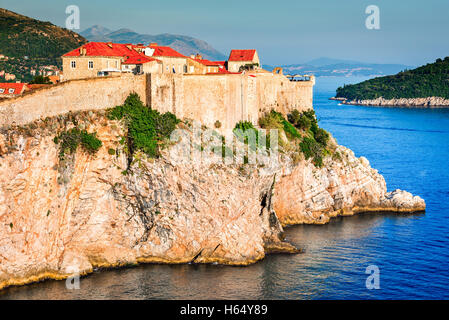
[59, 218]
[429, 102]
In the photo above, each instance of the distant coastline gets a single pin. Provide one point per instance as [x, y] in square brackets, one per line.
[429, 102]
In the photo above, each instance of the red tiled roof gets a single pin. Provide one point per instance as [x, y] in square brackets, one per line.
[18, 88]
[208, 62]
[242, 55]
[98, 49]
[104, 49]
[54, 79]
[140, 59]
[165, 52]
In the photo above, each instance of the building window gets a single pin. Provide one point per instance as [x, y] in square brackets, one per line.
[192, 69]
[185, 68]
[91, 64]
[73, 64]
[116, 64]
[11, 90]
[2, 90]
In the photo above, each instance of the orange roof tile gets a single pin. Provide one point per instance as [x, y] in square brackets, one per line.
[242, 55]
[165, 52]
[105, 49]
[16, 88]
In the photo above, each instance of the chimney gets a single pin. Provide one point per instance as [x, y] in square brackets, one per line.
[83, 51]
[153, 44]
[198, 56]
[110, 45]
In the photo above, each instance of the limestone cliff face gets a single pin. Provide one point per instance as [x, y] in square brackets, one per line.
[310, 195]
[62, 217]
[56, 217]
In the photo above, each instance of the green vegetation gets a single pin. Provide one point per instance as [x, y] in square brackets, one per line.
[303, 133]
[70, 140]
[147, 128]
[40, 80]
[30, 43]
[246, 133]
[248, 66]
[431, 80]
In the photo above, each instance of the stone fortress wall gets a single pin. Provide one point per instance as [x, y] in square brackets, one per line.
[227, 98]
[73, 95]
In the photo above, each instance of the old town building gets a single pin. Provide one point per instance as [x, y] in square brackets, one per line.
[96, 59]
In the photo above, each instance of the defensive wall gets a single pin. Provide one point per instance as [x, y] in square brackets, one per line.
[73, 95]
[227, 98]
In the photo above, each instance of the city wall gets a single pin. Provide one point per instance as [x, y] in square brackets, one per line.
[227, 98]
[73, 95]
[206, 98]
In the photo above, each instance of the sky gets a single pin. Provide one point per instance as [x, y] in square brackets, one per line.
[412, 32]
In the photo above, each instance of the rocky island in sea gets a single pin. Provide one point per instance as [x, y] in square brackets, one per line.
[425, 86]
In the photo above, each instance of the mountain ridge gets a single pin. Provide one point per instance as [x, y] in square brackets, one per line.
[340, 68]
[30, 43]
[186, 45]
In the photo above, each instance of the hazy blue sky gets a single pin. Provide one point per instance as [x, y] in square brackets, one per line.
[284, 31]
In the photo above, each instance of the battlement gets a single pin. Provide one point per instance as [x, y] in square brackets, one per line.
[228, 98]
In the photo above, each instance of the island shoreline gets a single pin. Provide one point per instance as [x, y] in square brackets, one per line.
[423, 103]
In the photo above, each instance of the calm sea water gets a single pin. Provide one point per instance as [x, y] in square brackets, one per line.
[409, 147]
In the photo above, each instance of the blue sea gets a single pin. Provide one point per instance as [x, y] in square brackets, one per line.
[409, 147]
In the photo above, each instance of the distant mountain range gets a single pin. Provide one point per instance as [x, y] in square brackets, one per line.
[323, 67]
[31, 44]
[188, 45]
[184, 44]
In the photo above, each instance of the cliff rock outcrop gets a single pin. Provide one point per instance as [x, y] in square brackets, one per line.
[310, 195]
[402, 102]
[60, 217]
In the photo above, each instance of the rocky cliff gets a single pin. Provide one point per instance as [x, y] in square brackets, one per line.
[60, 217]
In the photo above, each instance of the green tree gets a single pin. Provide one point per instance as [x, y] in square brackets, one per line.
[40, 80]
